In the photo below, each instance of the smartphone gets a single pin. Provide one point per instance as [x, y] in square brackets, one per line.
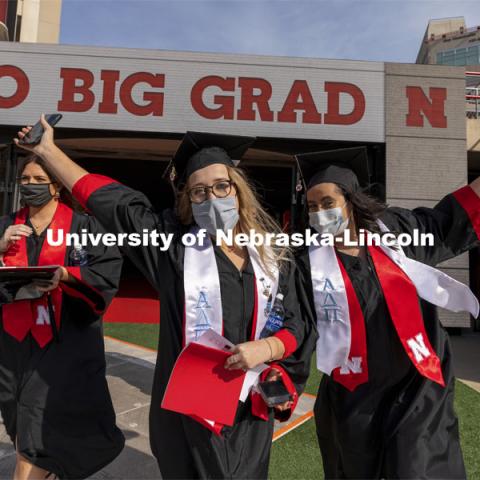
[274, 393]
[35, 134]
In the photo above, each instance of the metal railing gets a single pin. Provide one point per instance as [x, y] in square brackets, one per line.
[472, 95]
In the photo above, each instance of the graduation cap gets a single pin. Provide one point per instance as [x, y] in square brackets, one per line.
[199, 150]
[347, 167]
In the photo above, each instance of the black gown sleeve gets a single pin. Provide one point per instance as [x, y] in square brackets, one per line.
[454, 223]
[7, 292]
[297, 364]
[95, 283]
[121, 209]
[292, 333]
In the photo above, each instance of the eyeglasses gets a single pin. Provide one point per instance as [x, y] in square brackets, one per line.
[220, 189]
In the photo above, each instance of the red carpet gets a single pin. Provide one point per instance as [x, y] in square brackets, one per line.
[136, 302]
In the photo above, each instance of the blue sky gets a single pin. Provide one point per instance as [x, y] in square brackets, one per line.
[385, 30]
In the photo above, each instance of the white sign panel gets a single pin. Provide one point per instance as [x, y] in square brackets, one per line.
[160, 91]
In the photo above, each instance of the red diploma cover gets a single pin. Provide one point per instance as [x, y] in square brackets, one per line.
[200, 385]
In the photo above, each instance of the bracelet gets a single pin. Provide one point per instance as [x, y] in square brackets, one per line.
[271, 351]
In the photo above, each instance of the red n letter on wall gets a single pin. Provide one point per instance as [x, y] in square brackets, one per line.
[419, 106]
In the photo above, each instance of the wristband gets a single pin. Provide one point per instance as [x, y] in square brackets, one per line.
[271, 351]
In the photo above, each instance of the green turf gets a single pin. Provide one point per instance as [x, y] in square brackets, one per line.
[467, 406]
[144, 334]
[314, 378]
[285, 462]
[296, 455]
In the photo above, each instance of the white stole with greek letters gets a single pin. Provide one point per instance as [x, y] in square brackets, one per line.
[331, 302]
[203, 301]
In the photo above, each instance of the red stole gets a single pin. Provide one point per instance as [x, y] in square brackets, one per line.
[25, 316]
[404, 307]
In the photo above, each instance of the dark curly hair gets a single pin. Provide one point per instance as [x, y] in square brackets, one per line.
[366, 208]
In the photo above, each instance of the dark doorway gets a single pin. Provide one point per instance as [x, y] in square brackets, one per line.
[474, 261]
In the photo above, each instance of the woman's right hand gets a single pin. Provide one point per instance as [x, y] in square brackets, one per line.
[46, 142]
[12, 234]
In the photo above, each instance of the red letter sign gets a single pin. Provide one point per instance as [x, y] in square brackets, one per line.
[110, 79]
[433, 108]
[333, 115]
[70, 89]
[155, 99]
[299, 98]
[261, 99]
[23, 86]
[226, 104]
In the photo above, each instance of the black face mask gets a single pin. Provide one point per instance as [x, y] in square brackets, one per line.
[35, 194]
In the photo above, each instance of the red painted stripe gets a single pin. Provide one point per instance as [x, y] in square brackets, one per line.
[292, 425]
[136, 345]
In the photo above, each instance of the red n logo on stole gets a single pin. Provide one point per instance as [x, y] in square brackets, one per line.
[431, 107]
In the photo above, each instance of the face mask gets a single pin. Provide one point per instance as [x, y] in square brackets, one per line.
[217, 213]
[328, 221]
[35, 194]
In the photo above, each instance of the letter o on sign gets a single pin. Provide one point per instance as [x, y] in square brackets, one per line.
[23, 86]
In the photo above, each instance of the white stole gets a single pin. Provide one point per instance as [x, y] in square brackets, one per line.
[203, 301]
[331, 302]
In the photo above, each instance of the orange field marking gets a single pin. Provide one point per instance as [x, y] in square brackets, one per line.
[131, 344]
[291, 426]
[278, 434]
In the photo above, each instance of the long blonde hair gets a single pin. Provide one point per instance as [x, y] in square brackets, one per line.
[252, 217]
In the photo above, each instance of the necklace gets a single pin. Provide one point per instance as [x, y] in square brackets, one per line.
[233, 249]
[39, 227]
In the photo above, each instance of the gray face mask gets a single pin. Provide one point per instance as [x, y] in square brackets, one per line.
[328, 221]
[35, 194]
[217, 213]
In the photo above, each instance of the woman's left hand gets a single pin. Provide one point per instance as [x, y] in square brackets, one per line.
[248, 355]
[48, 285]
[274, 375]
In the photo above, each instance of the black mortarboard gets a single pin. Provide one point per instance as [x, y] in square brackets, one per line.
[199, 150]
[347, 167]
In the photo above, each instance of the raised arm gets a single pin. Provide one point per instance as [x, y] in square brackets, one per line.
[119, 209]
[63, 167]
[454, 223]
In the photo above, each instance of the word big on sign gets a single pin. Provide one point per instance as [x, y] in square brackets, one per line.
[214, 97]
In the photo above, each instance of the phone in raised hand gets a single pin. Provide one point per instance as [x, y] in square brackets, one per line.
[35, 134]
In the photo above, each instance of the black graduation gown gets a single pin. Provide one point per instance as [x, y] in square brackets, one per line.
[399, 424]
[55, 401]
[183, 447]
